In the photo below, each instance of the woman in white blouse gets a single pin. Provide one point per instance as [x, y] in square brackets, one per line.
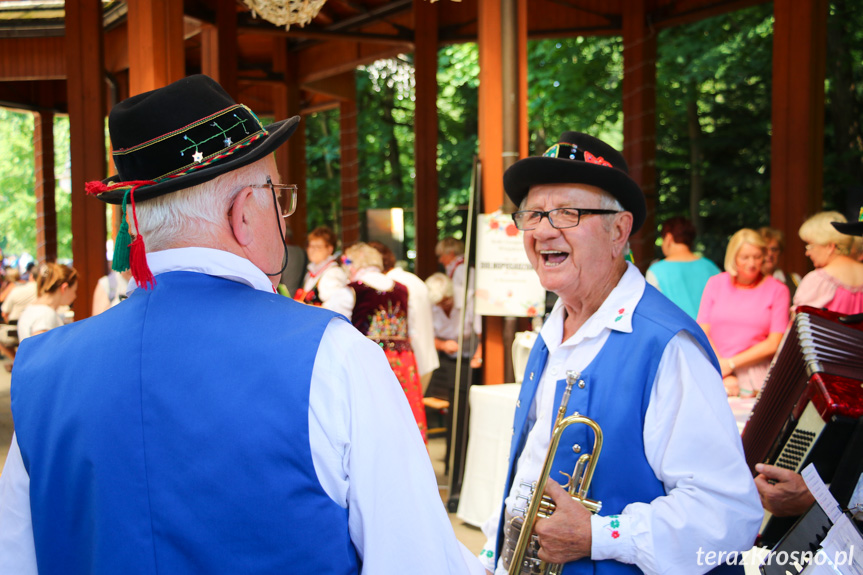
[56, 286]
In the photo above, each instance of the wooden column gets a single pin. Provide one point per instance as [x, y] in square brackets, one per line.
[46, 211]
[797, 143]
[502, 37]
[350, 171]
[219, 47]
[639, 119]
[85, 88]
[291, 157]
[156, 52]
[425, 135]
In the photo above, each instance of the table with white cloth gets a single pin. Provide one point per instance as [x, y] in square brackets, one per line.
[492, 410]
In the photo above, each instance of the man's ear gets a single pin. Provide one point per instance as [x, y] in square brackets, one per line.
[621, 228]
[240, 217]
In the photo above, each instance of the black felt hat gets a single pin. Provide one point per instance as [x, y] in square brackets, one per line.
[182, 135]
[850, 228]
[578, 159]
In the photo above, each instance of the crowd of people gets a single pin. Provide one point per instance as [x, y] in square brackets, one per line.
[113, 463]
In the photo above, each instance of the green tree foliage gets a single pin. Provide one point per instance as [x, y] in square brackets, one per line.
[574, 84]
[323, 168]
[17, 184]
[458, 115]
[713, 124]
[385, 100]
[843, 153]
[17, 202]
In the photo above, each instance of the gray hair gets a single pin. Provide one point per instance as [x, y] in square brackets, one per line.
[439, 286]
[194, 213]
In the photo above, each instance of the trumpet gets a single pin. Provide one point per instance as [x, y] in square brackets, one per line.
[524, 559]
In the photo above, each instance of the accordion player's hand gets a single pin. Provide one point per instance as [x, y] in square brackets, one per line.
[783, 492]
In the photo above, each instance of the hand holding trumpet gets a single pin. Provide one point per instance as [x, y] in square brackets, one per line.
[565, 536]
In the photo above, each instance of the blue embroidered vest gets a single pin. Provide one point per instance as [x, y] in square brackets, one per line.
[616, 393]
[170, 434]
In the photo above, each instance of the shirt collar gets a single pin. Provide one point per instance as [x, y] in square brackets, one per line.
[615, 313]
[208, 261]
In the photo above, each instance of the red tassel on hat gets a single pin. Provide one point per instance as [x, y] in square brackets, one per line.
[138, 262]
[95, 188]
[137, 252]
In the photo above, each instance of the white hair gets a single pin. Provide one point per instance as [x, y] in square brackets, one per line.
[195, 213]
[439, 286]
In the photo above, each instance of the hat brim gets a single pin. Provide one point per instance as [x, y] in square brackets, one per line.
[849, 229]
[277, 134]
[541, 170]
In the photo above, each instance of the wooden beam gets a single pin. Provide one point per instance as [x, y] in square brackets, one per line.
[350, 219]
[219, 52]
[46, 211]
[86, 95]
[426, 136]
[398, 39]
[797, 142]
[639, 119]
[291, 157]
[341, 87]
[156, 50]
[674, 14]
[491, 137]
[337, 57]
[32, 59]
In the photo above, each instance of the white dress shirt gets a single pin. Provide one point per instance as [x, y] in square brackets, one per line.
[376, 467]
[420, 323]
[690, 440]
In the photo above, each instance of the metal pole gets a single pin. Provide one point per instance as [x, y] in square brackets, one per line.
[475, 177]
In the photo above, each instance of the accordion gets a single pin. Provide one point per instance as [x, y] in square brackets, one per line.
[811, 400]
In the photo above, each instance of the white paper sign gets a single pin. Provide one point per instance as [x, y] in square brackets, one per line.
[821, 493]
[506, 284]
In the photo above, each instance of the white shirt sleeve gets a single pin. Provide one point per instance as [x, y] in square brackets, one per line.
[711, 503]
[370, 458]
[17, 549]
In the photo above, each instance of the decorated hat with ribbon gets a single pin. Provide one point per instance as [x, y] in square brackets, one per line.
[851, 228]
[578, 158]
[173, 138]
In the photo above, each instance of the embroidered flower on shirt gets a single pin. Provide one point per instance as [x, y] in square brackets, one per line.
[620, 312]
[613, 525]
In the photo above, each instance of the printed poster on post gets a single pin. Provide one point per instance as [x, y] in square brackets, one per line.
[506, 284]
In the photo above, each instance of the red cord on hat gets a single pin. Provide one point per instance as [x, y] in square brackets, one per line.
[138, 253]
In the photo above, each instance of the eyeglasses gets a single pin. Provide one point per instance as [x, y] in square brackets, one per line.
[559, 218]
[288, 207]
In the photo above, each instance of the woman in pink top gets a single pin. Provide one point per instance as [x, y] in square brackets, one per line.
[837, 281]
[744, 314]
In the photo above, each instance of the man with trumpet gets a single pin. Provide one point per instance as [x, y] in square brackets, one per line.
[671, 478]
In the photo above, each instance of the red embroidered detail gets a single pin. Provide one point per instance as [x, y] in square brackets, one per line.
[588, 157]
[621, 310]
[615, 534]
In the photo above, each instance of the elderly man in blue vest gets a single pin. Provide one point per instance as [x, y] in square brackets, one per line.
[207, 424]
[671, 477]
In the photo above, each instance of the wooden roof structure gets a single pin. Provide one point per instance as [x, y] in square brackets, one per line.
[80, 57]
